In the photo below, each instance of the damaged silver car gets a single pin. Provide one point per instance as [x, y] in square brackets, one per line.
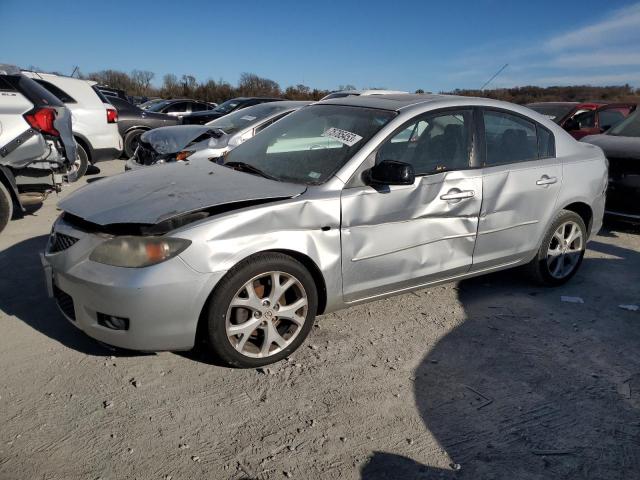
[210, 141]
[345, 201]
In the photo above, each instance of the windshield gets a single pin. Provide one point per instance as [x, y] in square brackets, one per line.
[227, 106]
[552, 112]
[310, 145]
[629, 127]
[246, 117]
[148, 103]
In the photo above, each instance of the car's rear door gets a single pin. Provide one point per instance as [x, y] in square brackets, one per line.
[521, 179]
[398, 237]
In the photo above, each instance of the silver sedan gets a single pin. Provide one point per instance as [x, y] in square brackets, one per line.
[342, 202]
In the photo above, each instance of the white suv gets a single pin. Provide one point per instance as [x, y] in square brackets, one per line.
[94, 119]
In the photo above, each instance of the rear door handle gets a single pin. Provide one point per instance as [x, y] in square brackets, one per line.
[546, 180]
[457, 194]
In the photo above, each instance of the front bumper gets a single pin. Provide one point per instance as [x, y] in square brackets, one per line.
[162, 303]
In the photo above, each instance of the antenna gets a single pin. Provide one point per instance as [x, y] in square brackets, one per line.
[75, 69]
[494, 76]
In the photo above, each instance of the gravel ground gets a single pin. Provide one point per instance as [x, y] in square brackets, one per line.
[487, 378]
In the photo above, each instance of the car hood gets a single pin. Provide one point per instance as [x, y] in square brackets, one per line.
[615, 146]
[168, 140]
[155, 194]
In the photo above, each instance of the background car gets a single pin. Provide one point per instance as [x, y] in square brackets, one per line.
[332, 206]
[357, 93]
[560, 112]
[621, 145]
[133, 122]
[36, 143]
[599, 120]
[179, 107]
[147, 103]
[94, 119]
[200, 118]
[210, 141]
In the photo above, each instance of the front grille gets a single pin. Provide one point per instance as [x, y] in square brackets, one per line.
[65, 303]
[59, 242]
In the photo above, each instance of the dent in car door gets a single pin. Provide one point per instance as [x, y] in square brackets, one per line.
[399, 237]
[519, 198]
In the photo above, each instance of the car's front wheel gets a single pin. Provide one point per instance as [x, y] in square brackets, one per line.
[261, 311]
[562, 250]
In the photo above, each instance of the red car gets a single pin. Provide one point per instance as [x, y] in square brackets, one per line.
[582, 119]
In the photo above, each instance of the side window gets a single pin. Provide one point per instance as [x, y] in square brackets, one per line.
[180, 107]
[610, 118]
[586, 119]
[58, 92]
[199, 107]
[6, 86]
[432, 143]
[509, 138]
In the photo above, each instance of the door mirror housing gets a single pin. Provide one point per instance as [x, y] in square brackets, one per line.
[391, 172]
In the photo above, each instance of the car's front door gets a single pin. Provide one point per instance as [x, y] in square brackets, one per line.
[398, 237]
[521, 179]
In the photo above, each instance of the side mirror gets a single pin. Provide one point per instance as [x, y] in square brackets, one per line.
[391, 172]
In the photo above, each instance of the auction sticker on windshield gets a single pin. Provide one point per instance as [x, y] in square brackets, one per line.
[343, 136]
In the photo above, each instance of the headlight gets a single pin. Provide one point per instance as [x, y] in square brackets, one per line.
[136, 252]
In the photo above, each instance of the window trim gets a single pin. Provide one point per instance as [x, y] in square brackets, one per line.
[482, 153]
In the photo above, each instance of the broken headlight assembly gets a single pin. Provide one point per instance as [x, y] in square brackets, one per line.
[138, 252]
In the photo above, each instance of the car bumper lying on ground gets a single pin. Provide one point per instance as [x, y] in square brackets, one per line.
[151, 309]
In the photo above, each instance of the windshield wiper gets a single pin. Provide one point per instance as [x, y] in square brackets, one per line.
[245, 167]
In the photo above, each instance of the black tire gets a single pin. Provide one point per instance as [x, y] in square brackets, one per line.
[131, 142]
[82, 161]
[539, 268]
[6, 207]
[230, 285]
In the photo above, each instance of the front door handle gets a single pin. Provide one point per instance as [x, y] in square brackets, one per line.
[546, 180]
[457, 194]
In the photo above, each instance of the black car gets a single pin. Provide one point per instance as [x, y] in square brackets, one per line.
[200, 118]
[621, 145]
[133, 122]
[180, 106]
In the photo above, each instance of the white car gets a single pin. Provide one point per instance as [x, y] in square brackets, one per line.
[94, 119]
[357, 93]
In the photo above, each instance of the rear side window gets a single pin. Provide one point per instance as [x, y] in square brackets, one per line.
[33, 91]
[609, 118]
[511, 138]
[58, 92]
[199, 107]
[6, 86]
[546, 143]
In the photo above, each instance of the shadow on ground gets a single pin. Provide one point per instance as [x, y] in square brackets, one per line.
[23, 295]
[530, 387]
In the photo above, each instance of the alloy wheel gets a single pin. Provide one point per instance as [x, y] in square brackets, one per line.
[266, 314]
[565, 249]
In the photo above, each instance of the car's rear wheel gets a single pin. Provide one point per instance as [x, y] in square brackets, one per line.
[261, 311]
[81, 164]
[131, 140]
[6, 207]
[562, 250]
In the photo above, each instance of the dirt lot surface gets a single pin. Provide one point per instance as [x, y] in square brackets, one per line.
[489, 378]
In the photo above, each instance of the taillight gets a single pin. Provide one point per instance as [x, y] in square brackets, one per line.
[42, 120]
[112, 115]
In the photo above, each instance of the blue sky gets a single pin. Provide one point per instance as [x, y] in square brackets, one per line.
[401, 45]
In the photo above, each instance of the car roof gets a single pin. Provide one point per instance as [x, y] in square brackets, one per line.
[394, 102]
[291, 103]
[535, 104]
